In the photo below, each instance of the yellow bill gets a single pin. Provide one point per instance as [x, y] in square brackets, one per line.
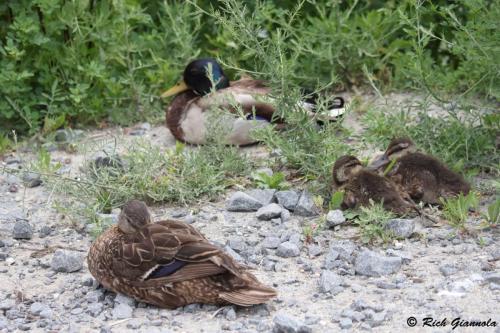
[179, 87]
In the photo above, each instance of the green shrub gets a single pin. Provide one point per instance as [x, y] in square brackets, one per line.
[89, 61]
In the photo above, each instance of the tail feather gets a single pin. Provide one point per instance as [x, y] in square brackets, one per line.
[250, 296]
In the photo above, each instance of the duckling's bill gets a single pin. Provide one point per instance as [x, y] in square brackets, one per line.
[178, 88]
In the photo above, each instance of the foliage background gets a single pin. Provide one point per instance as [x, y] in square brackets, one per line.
[82, 62]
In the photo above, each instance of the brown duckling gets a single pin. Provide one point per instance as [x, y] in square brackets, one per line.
[360, 185]
[169, 264]
[422, 176]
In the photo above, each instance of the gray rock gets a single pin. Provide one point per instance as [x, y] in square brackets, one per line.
[377, 319]
[242, 202]
[269, 212]
[330, 259]
[271, 242]
[7, 304]
[492, 277]
[123, 299]
[285, 323]
[285, 215]
[265, 196]
[233, 254]
[334, 218]
[370, 263]
[314, 250]
[401, 228]
[296, 238]
[122, 311]
[448, 269]
[306, 206]
[237, 243]
[45, 231]
[22, 229]
[288, 249]
[37, 307]
[32, 179]
[345, 323]
[230, 314]
[345, 249]
[329, 282]
[67, 261]
[287, 199]
[405, 256]
[95, 309]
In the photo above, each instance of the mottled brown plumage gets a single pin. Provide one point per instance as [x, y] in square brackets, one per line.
[186, 116]
[169, 264]
[361, 185]
[422, 176]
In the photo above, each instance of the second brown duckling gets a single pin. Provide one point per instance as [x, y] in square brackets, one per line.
[422, 176]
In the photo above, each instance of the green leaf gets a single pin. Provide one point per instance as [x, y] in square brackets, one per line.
[336, 200]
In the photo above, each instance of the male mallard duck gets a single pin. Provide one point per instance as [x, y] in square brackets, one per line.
[361, 185]
[204, 86]
[422, 176]
[169, 264]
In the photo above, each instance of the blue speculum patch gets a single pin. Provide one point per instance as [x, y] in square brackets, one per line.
[166, 270]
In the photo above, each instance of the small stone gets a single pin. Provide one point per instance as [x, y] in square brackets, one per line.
[95, 309]
[288, 249]
[237, 243]
[179, 213]
[345, 323]
[22, 229]
[38, 307]
[284, 323]
[448, 269]
[157, 322]
[370, 263]
[233, 254]
[123, 299]
[45, 231]
[67, 261]
[296, 238]
[492, 277]
[401, 228]
[122, 311]
[271, 242]
[32, 179]
[231, 314]
[329, 281]
[334, 218]
[344, 248]
[377, 319]
[76, 311]
[46, 313]
[265, 196]
[306, 206]
[285, 215]
[287, 199]
[269, 212]
[314, 250]
[331, 258]
[242, 202]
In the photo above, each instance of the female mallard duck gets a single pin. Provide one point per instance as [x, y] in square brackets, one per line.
[422, 176]
[169, 264]
[204, 86]
[361, 186]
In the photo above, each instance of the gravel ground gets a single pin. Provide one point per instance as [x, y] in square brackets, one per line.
[334, 283]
